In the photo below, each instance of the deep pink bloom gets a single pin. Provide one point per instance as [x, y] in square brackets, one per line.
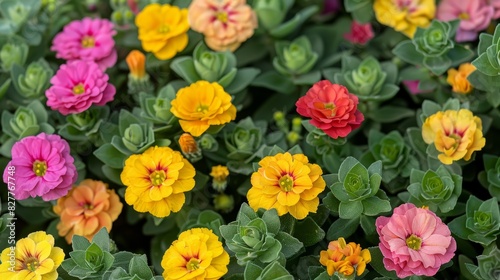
[134, 6]
[87, 39]
[359, 33]
[332, 109]
[496, 6]
[77, 85]
[414, 241]
[412, 87]
[474, 15]
[43, 167]
[331, 6]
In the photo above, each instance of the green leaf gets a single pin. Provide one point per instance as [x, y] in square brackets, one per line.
[79, 243]
[290, 245]
[437, 65]
[274, 271]
[406, 51]
[312, 235]
[242, 79]
[368, 224]
[102, 239]
[110, 156]
[373, 206]
[274, 81]
[288, 27]
[184, 67]
[388, 114]
[342, 228]
[350, 210]
[139, 266]
[252, 271]
[484, 66]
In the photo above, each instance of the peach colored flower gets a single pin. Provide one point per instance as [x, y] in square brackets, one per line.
[224, 23]
[86, 209]
[345, 258]
[458, 78]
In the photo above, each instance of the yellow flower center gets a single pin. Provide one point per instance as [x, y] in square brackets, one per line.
[157, 177]
[163, 28]
[88, 42]
[31, 264]
[286, 183]
[414, 242]
[193, 264]
[78, 89]
[222, 16]
[39, 167]
[202, 109]
[463, 16]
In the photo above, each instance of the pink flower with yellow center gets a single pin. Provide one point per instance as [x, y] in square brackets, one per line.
[224, 23]
[86, 209]
[456, 134]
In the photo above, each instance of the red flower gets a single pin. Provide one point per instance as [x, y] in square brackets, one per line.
[360, 33]
[332, 109]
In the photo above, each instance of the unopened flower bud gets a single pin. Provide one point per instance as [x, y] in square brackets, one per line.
[219, 177]
[224, 202]
[189, 147]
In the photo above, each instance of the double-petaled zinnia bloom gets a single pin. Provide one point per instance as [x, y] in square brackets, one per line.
[163, 29]
[458, 78]
[86, 209]
[201, 105]
[136, 62]
[224, 23]
[219, 177]
[405, 15]
[287, 183]
[34, 257]
[196, 254]
[156, 181]
[345, 259]
[456, 134]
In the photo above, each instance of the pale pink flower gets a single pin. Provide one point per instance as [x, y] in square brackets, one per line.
[77, 85]
[87, 39]
[496, 6]
[414, 241]
[359, 33]
[43, 167]
[474, 15]
[224, 23]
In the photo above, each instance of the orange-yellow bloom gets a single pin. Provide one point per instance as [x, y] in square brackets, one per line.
[225, 23]
[156, 181]
[201, 105]
[219, 174]
[405, 15]
[458, 79]
[197, 254]
[344, 258]
[456, 134]
[136, 62]
[33, 257]
[289, 184]
[86, 209]
[188, 145]
[163, 29]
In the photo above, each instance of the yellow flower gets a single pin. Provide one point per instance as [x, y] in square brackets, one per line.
[456, 134]
[201, 105]
[219, 174]
[86, 209]
[196, 254]
[156, 181]
[163, 30]
[189, 146]
[458, 79]
[344, 258]
[289, 184]
[405, 16]
[35, 257]
[136, 62]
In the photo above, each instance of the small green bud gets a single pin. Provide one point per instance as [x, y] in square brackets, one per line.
[297, 125]
[117, 17]
[224, 203]
[129, 15]
[292, 137]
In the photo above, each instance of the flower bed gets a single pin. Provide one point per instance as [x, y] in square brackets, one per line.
[259, 139]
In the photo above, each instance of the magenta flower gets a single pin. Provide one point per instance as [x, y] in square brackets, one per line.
[474, 15]
[414, 241]
[77, 85]
[87, 39]
[331, 6]
[359, 33]
[412, 87]
[43, 167]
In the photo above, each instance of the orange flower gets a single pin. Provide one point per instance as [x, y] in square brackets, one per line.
[458, 79]
[344, 258]
[136, 62]
[86, 209]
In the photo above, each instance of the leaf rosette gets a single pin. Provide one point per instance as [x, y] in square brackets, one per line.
[294, 58]
[490, 176]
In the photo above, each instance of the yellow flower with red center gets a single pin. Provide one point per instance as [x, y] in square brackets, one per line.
[163, 29]
[224, 23]
[458, 78]
[345, 259]
[289, 184]
[196, 254]
[201, 105]
[456, 134]
[156, 181]
[136, 62]
[405, 15]
[86, 209]
[34, 257]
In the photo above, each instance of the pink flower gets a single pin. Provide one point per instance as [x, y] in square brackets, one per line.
[332, 109]
[43, 167]
[331, 6]
[77, 85]
[496, 6]
[414, 241]
[87, 39]
[412, 87]
[360, 33]
[134, 6]
[474, 15]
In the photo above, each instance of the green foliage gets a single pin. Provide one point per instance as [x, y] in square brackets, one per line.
[271, 13]
[438, 189]
[490, 176]
[13, 52]
[85, 126]
[488, 264]
[32, 82]
[361, 10]
[156, 109]
[294, 58]
[433, 47]
[273, 271]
